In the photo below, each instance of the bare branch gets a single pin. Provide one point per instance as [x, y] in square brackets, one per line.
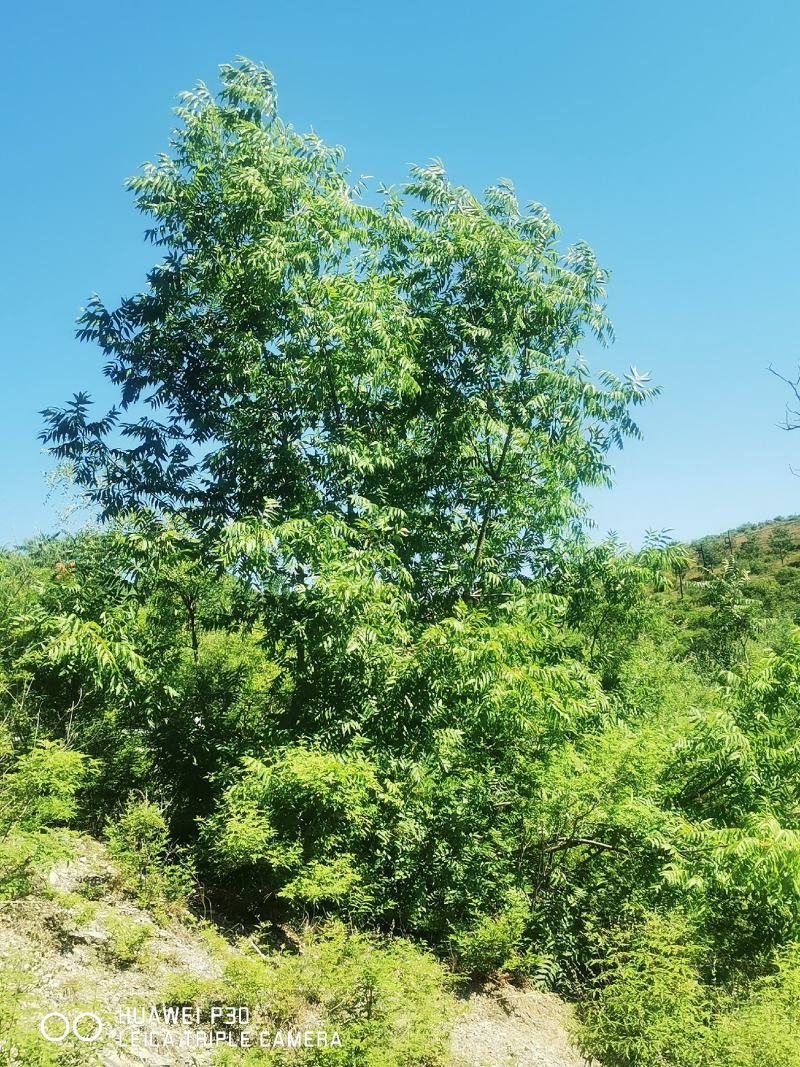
[576, 842]
[792, 420]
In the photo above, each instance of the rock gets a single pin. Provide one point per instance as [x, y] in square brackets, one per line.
[132, 1057]
[89, 935]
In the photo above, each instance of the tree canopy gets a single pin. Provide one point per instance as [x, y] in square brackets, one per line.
[407, 358]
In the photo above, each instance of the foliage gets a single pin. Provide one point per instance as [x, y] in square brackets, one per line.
[126, 940]
[389, 1002]
[651, 1007]
[730, 619]
[138, 839]
[781, 542]
[37, 790]
[411, 356]
[342, 652]
[19, 1041]
[761, 1028]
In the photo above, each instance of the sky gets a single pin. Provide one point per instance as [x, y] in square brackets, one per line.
[665, 135]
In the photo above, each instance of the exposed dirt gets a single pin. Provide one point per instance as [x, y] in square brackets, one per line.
[508, 1027]
[59, 948]
[62, 954]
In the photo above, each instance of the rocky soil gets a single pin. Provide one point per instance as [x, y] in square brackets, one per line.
[84, 942]
[508, 1027]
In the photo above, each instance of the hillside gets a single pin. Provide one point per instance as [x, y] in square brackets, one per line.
[79, 941]
[754, 538]
[768, 553]
[336, 713]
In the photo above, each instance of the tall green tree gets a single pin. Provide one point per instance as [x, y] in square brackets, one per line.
[781, 542]
[412, 355]
[750, 548]
[732, 616]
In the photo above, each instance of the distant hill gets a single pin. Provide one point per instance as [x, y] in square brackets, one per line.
[751, 541]
[730, 542]
[769, 552]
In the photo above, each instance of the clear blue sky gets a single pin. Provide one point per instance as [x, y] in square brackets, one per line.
[666, 135]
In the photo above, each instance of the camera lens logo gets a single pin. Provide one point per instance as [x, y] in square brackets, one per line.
[85, 1026]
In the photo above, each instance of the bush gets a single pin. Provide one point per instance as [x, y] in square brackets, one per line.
[762, 1029]
[493, 942]
[126, 940]
[389, 1002]
[21, 1044]
[649, 1008]
[139, 841]
[289, 826]
[38, 790]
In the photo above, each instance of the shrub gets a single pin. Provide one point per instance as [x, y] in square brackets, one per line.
[289, 826]
[38, 790]
[493, 942]
[139, 841]
[126, 939]
[649, 1008]
[762, 1029]
[388, 1001]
